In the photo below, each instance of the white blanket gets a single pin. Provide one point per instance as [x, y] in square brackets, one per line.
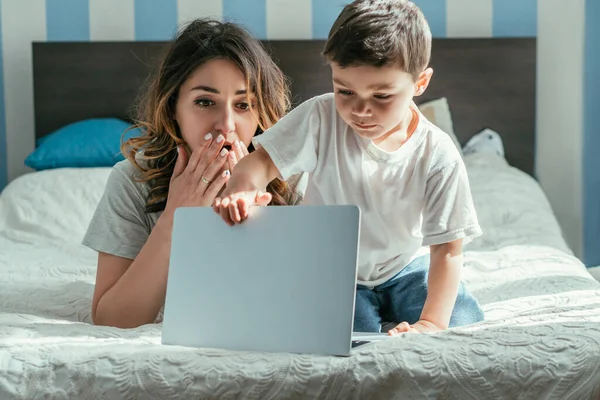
[541, 337]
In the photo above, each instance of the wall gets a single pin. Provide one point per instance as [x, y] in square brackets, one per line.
[559, 101]
[568, 118]
[24, 21]
[591, 136]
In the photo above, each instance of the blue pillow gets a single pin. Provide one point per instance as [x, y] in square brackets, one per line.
[88, 143]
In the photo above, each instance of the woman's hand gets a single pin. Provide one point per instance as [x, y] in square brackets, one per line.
[198, 178]
[237, 152]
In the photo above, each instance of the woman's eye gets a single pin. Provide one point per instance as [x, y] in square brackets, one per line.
[204, 102]
[243, 106]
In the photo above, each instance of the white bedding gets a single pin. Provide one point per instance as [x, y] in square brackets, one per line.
[541, 337]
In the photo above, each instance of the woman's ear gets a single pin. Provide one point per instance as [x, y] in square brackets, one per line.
[423, 81]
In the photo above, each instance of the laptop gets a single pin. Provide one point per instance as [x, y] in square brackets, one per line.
[282, 281]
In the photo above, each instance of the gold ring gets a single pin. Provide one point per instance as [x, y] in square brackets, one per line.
[205, 180]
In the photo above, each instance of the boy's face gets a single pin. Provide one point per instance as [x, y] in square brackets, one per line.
[375, 101]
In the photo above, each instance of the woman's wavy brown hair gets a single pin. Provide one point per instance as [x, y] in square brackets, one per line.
[154, 151]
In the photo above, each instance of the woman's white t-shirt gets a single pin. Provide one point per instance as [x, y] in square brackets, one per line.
[416, 196]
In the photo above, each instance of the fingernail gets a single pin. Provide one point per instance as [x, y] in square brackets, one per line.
[207, 136]
[260, 193]
[225, 173]
[224, 152]
[220, 138]
[237, 144]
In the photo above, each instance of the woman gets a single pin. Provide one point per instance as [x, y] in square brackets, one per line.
[214, 90]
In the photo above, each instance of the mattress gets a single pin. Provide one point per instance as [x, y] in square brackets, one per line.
[540, 339]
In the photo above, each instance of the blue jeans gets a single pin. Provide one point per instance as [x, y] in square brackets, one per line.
[402, 299]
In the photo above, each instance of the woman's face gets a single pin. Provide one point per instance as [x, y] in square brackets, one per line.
[214, 100]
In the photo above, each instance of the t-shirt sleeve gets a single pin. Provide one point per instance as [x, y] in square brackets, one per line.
[449, 213]
[292, 143]
[118, 226]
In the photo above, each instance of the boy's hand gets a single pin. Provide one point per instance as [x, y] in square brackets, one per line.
[420, 326]
[235, 208]
[245, 187]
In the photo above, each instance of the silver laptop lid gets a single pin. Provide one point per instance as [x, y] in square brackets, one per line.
[282, 281]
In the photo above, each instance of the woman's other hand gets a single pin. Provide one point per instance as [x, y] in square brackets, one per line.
[237, 152]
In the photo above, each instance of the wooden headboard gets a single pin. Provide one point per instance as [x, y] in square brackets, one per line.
[489, 83]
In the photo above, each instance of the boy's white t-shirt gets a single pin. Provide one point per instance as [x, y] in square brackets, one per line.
[416, 196]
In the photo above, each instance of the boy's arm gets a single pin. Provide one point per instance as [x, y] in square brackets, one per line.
[443, 282]
[246, 186]
[287, 148]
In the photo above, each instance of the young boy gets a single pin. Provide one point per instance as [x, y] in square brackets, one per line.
[368, 144]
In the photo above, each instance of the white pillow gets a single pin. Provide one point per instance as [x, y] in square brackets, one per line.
[485, 141]
[55, 203]
[438, 113]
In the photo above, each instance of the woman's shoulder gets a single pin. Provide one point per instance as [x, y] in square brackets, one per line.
[126, 180]
[127, 169]
[122, 206]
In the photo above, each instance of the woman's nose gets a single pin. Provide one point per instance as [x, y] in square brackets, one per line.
[225, 122]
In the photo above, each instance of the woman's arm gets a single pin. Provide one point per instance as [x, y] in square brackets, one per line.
[131, 293]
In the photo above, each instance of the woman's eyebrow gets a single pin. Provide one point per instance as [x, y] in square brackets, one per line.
[213, 90]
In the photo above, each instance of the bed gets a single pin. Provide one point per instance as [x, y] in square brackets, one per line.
[540, 339]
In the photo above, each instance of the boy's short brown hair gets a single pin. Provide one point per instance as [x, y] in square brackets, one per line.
[378, 33]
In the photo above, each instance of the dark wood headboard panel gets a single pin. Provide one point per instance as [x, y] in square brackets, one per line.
[488, 83]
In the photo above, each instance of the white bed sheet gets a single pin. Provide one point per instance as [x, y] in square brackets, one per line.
[541, 337]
